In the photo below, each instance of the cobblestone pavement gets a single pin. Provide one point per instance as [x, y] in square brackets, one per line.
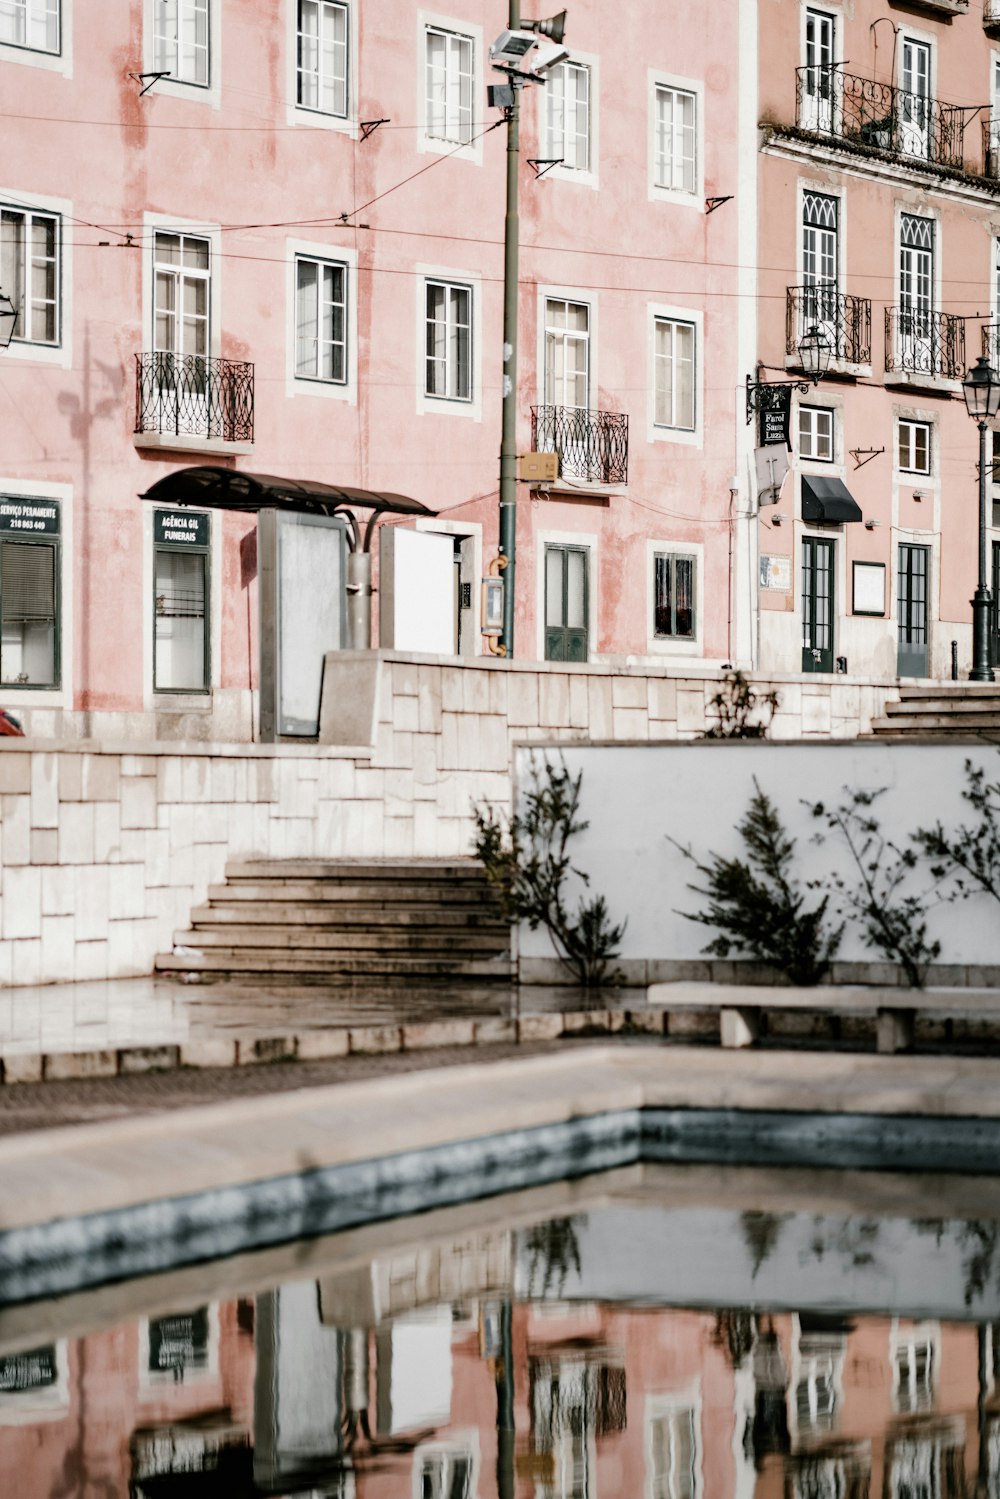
[29, 1106]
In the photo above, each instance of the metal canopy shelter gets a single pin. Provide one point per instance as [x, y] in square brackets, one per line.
[211, 487]
[828, 500]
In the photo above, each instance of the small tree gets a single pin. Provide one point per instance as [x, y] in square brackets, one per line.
[757, 904]
[527, 863]
[741, 712]
[894, 919]
[970, 856]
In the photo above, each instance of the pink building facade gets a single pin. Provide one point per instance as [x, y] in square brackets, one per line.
[270, 238]
[878, 223]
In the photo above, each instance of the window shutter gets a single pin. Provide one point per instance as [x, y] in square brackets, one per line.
[27, 582]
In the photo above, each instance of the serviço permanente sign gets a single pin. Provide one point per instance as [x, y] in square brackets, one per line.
[40, 517]
[180, 528]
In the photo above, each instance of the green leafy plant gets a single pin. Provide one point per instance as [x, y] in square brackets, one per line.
[757, 904]
[527, 863]
[741, 712]
[893, 918]
[968, 856]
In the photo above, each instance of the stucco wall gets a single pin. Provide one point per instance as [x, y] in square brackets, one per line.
[105, 848]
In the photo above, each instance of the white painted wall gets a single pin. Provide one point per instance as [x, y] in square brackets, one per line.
[636, 795]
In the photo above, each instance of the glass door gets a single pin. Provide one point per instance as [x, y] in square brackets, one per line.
[911, 611]
[915, 100]
[818, 86]
[566, 603]
[916, 294]
[820, 268]
[817, 604]
[995, 608]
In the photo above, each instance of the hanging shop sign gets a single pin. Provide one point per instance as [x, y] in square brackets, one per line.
[19, 515]
[774, 414]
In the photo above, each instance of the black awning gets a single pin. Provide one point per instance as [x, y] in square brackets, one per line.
[828, 500]
[228, 489]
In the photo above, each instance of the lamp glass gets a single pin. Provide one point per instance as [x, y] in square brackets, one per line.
[8, 317]
[815, 350]
[981, 389]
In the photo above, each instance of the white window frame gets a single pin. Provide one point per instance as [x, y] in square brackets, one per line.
[301, 114]
[588, 176]
[816, 410]
[61, 696]
[658, 193]
[655, 431]
[670, 1404]
[588, 541]
[913, 422]
[151, 1380]
[307, 385]
[455, 292]
[59, 61]
[60, 353]
[553, 294]
[922, 211]
[427, 22]
[460, 1444]
[428, 405]
[323, 262]
[672, 645]
[209, 93]
[905, 1338]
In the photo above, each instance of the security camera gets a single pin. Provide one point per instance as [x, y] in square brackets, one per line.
[548, 57]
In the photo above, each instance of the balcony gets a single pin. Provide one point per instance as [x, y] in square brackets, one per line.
[991, 144]
[991, 17]
[924, 345]
[991, 346]
[937, 7]
[845, 321]
[592, 445]
[185, 401]
[879, 117]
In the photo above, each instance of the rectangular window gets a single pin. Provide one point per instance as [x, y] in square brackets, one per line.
[182, 282]
[449, 83]
[322, 57]
[320, 320]
[674, 374]
[673, 597]
[567, 115]
[29, 592]
[816, 433]
[448, 362]
[180, 40]
[33, 24]
[914, 447]
[567, 354]
[180, 613]
[676, 134]
[29, 272]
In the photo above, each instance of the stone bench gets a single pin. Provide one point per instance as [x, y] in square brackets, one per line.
[741, 1006]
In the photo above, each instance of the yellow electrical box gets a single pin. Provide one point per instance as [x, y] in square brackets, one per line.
[538, 468]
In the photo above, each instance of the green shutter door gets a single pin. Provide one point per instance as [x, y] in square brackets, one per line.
[566, 603]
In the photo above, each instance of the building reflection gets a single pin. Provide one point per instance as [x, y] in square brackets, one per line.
[401, 1377]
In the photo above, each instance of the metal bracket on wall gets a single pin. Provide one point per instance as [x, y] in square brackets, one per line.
[148, 79]
[762, 395]
[543, 164]
[711, 204]
[862, 456]
[369, 127]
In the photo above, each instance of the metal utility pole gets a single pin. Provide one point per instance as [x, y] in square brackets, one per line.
[982, 602]
[508, 439]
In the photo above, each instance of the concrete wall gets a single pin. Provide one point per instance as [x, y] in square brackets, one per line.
[105, 848]
[637, 798]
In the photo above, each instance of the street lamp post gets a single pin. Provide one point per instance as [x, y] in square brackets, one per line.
[981, 388]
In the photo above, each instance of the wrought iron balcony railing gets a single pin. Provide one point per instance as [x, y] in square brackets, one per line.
[991, 345]
[878, 116]
[846, 322]
[991, 143]
[920, 342]
[591, 444]
[186, 395]
[991, 16]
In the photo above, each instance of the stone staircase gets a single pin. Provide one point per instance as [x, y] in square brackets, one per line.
[347, 922]
[963, 709]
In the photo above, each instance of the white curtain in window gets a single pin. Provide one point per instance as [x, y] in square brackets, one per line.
[322, 62]
[449, 86]
[674, 374]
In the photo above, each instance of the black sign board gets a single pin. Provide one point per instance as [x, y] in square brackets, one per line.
[180, 528]
[179, 1343]
[35, 1370]
[38, 517]
[775, 407]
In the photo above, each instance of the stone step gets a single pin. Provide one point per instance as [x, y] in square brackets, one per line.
[311, 940]
[479, 914]
[952, 692]
[937, 723]
[428, 871]
[965, 707]
[384, 896]
[267, 965]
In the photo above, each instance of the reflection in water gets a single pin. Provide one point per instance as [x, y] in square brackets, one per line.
[519, 1363]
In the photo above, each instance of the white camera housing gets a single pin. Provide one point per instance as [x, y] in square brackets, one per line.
[521, 52]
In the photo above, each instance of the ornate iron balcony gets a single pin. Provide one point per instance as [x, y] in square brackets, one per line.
[991, 344]
[991, 16]
[878, 116]
[186, 395]
[591, 444]
[920, 342]
[845, 321]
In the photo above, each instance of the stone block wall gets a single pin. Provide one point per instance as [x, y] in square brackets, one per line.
[105, 849]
